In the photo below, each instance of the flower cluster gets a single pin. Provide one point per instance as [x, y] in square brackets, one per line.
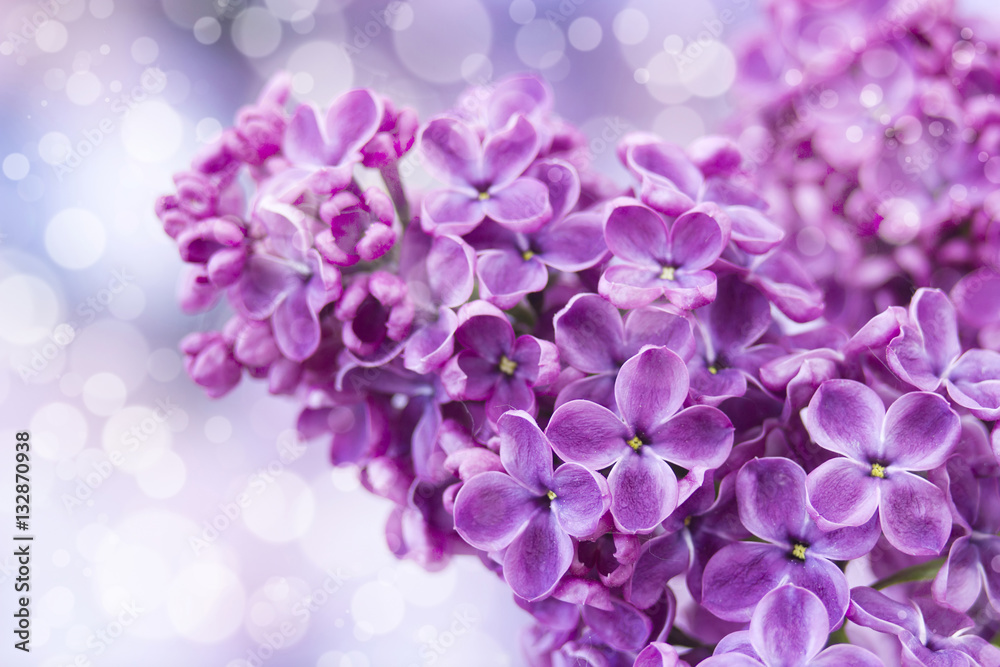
[632, 402]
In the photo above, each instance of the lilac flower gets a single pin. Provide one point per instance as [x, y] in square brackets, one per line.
[287, 280]
[350, 123]
[395, 136]
[880, 450]
[495, 366]
[927, 352]
[659, 654]
[789, 627]
[930, 635]
[651, 433]
[208, 360]
[360, 227]
[592, 338]
[772, 506]
[485, 178]
[654, 257]
[377, 315]
[531, 512]
[971, 479]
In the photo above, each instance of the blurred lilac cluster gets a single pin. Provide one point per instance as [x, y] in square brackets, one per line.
[679, 435]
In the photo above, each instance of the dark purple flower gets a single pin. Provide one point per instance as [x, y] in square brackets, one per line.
[592, 338]
[880, 450]
[788, 629]
[485, 178]
[927, 352]
[285, 279]
[495, 366]
[930, 635]
[652, 433]
[654, 257]
[772, 505]
[532, 511]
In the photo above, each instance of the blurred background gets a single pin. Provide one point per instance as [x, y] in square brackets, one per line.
[175, 529]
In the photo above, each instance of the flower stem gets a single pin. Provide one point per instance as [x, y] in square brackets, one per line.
[390, 174]
[921, 572]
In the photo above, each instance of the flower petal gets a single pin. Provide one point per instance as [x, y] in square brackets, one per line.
[959, 582]
[846, 417]
[696, 241]
[453, 212]
[351, 122]
[845, 543]
[582, 498]
[841, 493]
[629, 286]
[789, 626]
[451, 270]
[296, 326]
[698, 438]
[651, 388]
[624, 628]
[588, 434]
[658, 654]
[974, 383]
[521, 206]
[451, 152]
[484, 328]
[846, 655]
[643, 491]
[509, 152]
[657, 326]
[920, 431]
[826, 580]
[589, 332]
[873, 609]
[691, 290]
[265, 282]
[573, 243]
[525, 451]
[505, 277]
[739, 316]
[752, 231]
[637, 234]
[772, 499]
[509, 394]
[538, 558]
[934, 314]
[491, 509]
[738, 576]
[914, 514]
[662, 558]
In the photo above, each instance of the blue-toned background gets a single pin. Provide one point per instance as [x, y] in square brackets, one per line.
[142, 556]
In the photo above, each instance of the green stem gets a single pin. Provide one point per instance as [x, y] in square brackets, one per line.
[921, 572]
[678, 637]
[390, 174]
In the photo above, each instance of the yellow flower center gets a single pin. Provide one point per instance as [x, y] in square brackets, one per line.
[635, 443]
[878, 470]
[483, 196]
[667, 273]
[527, 254]
[507, 366]
[713, 370]
[687, 520]
[799, 551]
[551, 495]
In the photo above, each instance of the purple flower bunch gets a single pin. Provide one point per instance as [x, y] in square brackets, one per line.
[632, 403]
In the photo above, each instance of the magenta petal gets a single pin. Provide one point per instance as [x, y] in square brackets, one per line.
[920, 431]
[582, 498]
[296, 326]
[505, 277]
[772, 499]
[958, 583]
[825, 579]
[625, 628]
[789, 626]
[589, 332]
[467, 377]
[643, 491]
[522, 206]
[907, 356]
[588, 434]
[263, 285]
[934, 314]
[304, 142]
[484, 328]
[650, 388]
[914, 514]
[752, 231]
[658, 654]
[842, 492]
[846, 417]
[525, 451]
[662, 558]
[698, 438]
[629, 286]
[451, 270]
[846, 655]
[455, 212]
[351, 122]
[691, 290]
[696, 241]
[738, 576]
[656, 326]
[451, 151]
[974, 383]
[563, 182]
[573, 243]
[637, 235]
[537, 558]
[509, 394]
[491, 508]
[509, 152]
